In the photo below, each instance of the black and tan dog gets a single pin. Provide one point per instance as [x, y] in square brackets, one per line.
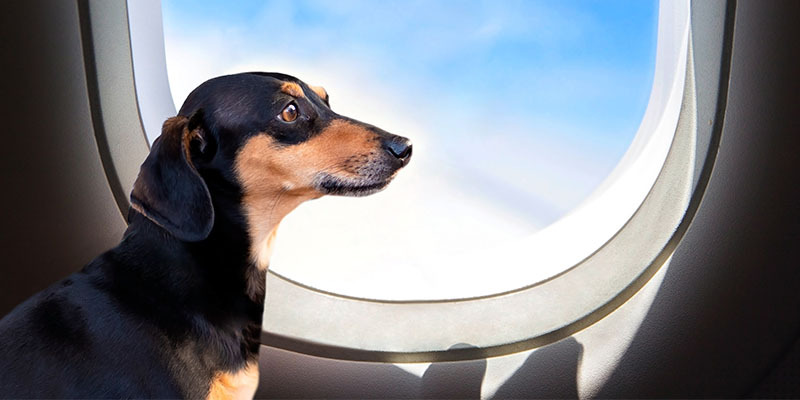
[175, 309]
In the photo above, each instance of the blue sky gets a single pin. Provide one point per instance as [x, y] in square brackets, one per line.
[518, 109]
[570, 77]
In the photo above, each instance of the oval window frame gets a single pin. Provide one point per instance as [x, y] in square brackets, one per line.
[303, 319]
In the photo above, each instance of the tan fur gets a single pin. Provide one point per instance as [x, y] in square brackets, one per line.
[292, 89]
[276, 179]
[186, 136]
[178, 124]
[173, 123]
[263, 254]
[238, 385]
[320, 91]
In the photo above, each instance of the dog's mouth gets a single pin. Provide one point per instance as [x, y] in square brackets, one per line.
[337, 186]
[363, 179]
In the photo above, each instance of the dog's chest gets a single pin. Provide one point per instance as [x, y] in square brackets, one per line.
[238, 385]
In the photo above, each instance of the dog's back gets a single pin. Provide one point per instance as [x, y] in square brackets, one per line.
[73, 340]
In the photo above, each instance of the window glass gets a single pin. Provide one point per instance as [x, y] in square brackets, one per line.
[518, 110]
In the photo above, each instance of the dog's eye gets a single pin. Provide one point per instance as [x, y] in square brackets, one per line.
[290, 113]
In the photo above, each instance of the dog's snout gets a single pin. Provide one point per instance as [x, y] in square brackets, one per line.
[399, 147]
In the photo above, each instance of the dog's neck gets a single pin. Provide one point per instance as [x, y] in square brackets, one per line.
[210, 290]
[264, 212]
[219, 268]
[234, 256]
[219, 280]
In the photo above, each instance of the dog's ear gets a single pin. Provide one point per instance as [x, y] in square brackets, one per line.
[168, 190]
[322, 93]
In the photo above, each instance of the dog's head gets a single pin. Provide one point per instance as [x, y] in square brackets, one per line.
[268, 141]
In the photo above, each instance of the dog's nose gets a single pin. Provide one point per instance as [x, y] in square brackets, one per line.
[399, 147]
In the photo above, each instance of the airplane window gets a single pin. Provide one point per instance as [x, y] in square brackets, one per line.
[519, 112]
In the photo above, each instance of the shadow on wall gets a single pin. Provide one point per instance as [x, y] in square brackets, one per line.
[453, 380]
[549, 372]
[290, 375]
[287, 375]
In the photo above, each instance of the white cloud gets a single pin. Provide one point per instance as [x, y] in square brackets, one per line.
[475, 179]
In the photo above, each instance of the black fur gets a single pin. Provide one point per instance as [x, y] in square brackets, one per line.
[178, 298]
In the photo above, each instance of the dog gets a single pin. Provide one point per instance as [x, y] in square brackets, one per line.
[175, 310]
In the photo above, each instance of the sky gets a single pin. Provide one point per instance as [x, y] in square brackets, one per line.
[517, 111]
